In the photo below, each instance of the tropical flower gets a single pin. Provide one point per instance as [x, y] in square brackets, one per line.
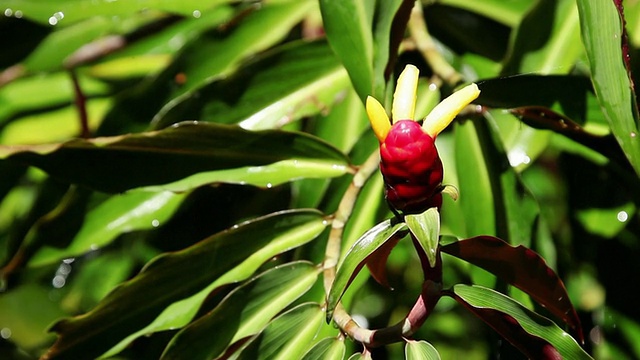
[410, 163]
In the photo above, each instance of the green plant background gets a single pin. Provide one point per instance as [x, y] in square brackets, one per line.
[179, 240]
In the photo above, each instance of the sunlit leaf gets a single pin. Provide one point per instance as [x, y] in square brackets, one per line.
[536, 336]
[135, 210]
[601, 35]
[426, 229]
[520, 267]
[288, 336]
[169, 155]
[244, 312]
[327, 349]
[420, 350]
[174, 276]
[356, 258]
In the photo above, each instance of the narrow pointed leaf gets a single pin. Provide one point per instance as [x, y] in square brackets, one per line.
[327, 349]
[356, 258]
[533, 334]
[426, 228]
[420, 350]
[135, 210]
[522, 268]
[244, 312]
[602, 36]
[174, 276]
[348, 26]
[168, 155]
[289, 335]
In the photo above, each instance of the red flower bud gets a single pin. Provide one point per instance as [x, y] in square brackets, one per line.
[411, 168]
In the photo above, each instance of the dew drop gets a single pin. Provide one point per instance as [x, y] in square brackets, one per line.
[155, 223]
[433, 87]
[622, 216]
[57, 16]
[18, 14]
[5, 333]
[633, 134]
[197, 14]
[58, 281]
[269, 185]
[8, 12]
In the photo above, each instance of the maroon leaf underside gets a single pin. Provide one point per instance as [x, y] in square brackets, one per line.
[377, 261]
[532, 346]
[522, 268]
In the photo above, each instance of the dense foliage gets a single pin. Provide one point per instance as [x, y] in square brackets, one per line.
[199, 179]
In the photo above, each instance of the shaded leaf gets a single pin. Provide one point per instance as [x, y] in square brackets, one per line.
[534, 335]
[522, 268]
[174, 276]
[168, 155]
[244, 312]
[420, 350]
[356, 257]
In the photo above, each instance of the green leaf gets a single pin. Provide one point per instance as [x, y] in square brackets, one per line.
[171, 154]
[71, 11]
[289, 335]
[426, 229]
[134, 210]
[356, 258]
[244, 312]
[601, 35]
[420, 350]
[292, 81]
[546, 44]
[348, 27]
[509, 13]
[491, 305]
[327, 349]
[174, 276]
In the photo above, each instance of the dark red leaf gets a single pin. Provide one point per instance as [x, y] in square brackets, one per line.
[377, 261]
[522, 268]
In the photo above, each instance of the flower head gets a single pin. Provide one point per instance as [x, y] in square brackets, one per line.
[410, 163]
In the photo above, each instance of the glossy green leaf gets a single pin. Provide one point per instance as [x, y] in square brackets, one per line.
[289, 335]
[327, 349]
[361, 356]
[489, 304]
[476, 198]
[244, 312]
[170, 155]
[553, 50]
[291, 82]
[174, 276]
[134, 210]
[348, 26]
[601, 30]
[426, 229]
[181, 312]
[420, 350]
[39, 92]
[70, 11]
[356, 257]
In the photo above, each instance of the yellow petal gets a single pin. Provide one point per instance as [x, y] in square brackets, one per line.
[378, 118]
[442, 115]
[404, 99]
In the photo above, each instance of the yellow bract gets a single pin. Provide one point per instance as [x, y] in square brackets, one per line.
[378, 118]
[404, 104]
[442, 115]
[404, 98]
